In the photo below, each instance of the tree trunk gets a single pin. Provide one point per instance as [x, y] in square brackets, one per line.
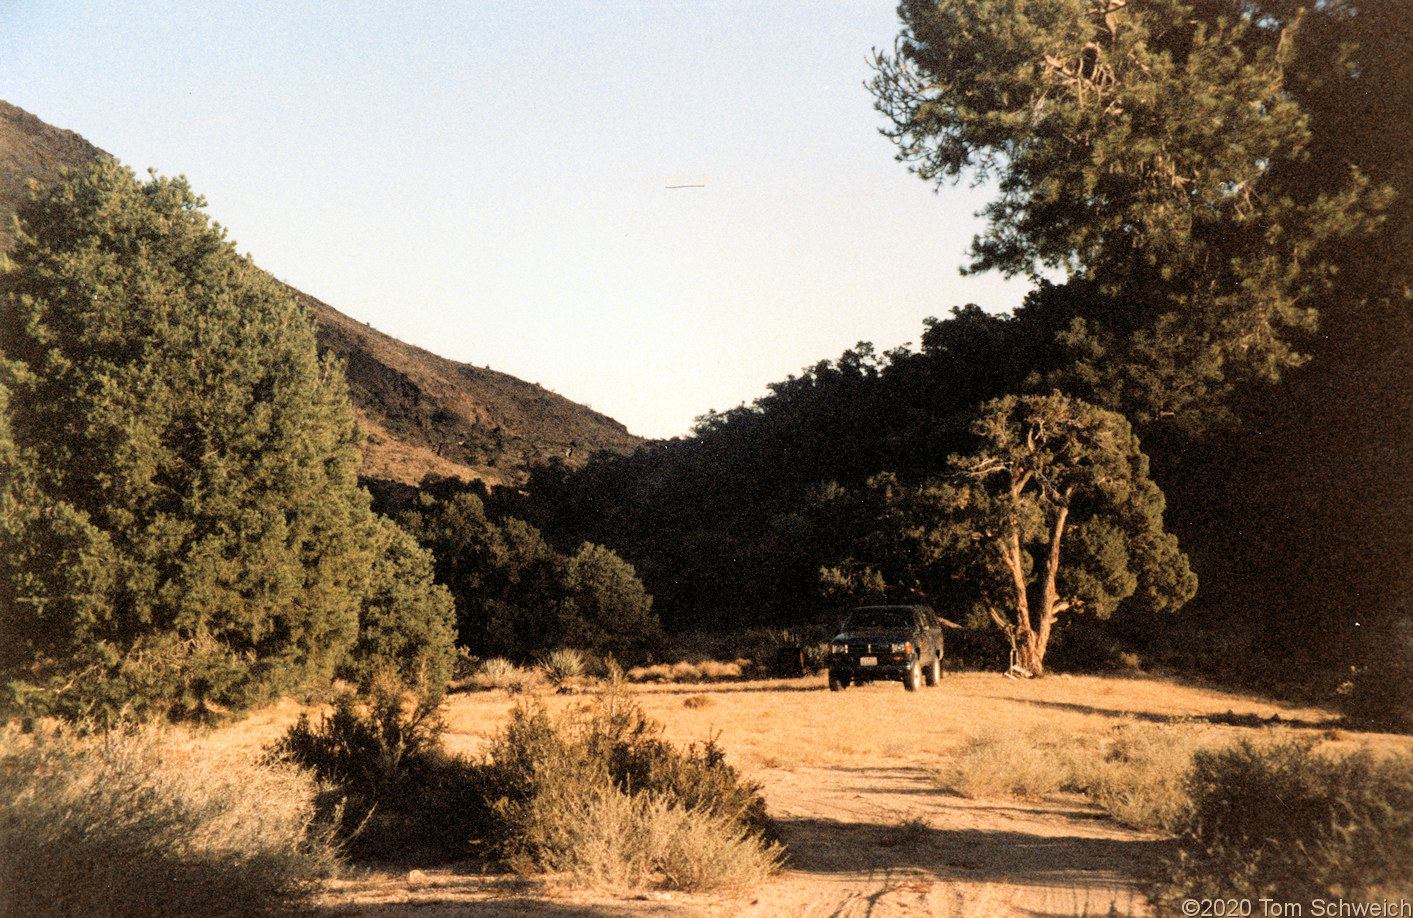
[1030, 652]
[1050, 604]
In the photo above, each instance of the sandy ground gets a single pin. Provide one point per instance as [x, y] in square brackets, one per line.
[850, 779]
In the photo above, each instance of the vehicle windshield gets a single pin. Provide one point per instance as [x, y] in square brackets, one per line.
[879, 620]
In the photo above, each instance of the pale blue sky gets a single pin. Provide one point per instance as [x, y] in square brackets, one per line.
[488, 180]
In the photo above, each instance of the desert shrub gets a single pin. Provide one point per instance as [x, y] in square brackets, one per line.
[600, 793]
[1286, 823]
[1139, 775]
[400, 794]
[563, 664]
[128, 825]
[1004, 764]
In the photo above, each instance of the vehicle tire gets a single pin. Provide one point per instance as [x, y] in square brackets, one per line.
[837, 682]
[912, 677]
[933, 673]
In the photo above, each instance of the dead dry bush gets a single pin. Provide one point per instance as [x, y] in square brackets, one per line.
[124, 825]
[685, 671]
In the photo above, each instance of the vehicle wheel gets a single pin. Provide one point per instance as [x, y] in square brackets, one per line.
[933, 673]
[837, 682]
[912, 677]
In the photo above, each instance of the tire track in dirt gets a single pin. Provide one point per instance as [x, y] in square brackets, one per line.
[885, 842]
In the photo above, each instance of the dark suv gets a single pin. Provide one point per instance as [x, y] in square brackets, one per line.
[902, 643]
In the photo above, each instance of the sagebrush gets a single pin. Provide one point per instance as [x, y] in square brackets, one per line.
[399, 794]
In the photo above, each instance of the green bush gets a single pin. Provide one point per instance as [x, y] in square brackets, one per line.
[128, 825]
[1286, 823]
[518, 597]
[181, 525]
[399, 794]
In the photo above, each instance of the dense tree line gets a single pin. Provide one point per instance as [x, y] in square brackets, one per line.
[515, 595]
[1226, 189]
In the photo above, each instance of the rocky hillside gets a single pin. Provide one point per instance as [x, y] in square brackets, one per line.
[423, 414]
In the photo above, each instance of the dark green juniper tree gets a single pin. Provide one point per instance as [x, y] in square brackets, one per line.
[1051, 513]
[1058, 502]
[180, 520]
[517, 597]
[1132, 144]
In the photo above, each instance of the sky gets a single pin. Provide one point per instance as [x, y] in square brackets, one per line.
[493, 181]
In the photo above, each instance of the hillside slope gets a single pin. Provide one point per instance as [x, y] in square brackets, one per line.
[423, 414]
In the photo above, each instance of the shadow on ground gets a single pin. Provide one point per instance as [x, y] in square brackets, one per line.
[827, 846]
[1229, 719]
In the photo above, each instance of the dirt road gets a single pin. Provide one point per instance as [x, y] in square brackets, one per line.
[850, 779]
[886, 841]
[877, 842]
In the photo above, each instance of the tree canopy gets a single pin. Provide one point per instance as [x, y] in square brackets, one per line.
[1133, 146]
[180, 481]
[516, 596]
[1051, 511]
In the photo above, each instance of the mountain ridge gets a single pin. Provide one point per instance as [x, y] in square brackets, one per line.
[423, 415]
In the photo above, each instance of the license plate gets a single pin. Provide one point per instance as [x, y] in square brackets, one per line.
[868, 661]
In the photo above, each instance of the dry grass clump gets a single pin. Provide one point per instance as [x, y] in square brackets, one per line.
[684, 671]
[598, 793]
[1000, 763]
[1139, 775]
[1135, 772]
[500, 673]
[608, 837]
[126, 825]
